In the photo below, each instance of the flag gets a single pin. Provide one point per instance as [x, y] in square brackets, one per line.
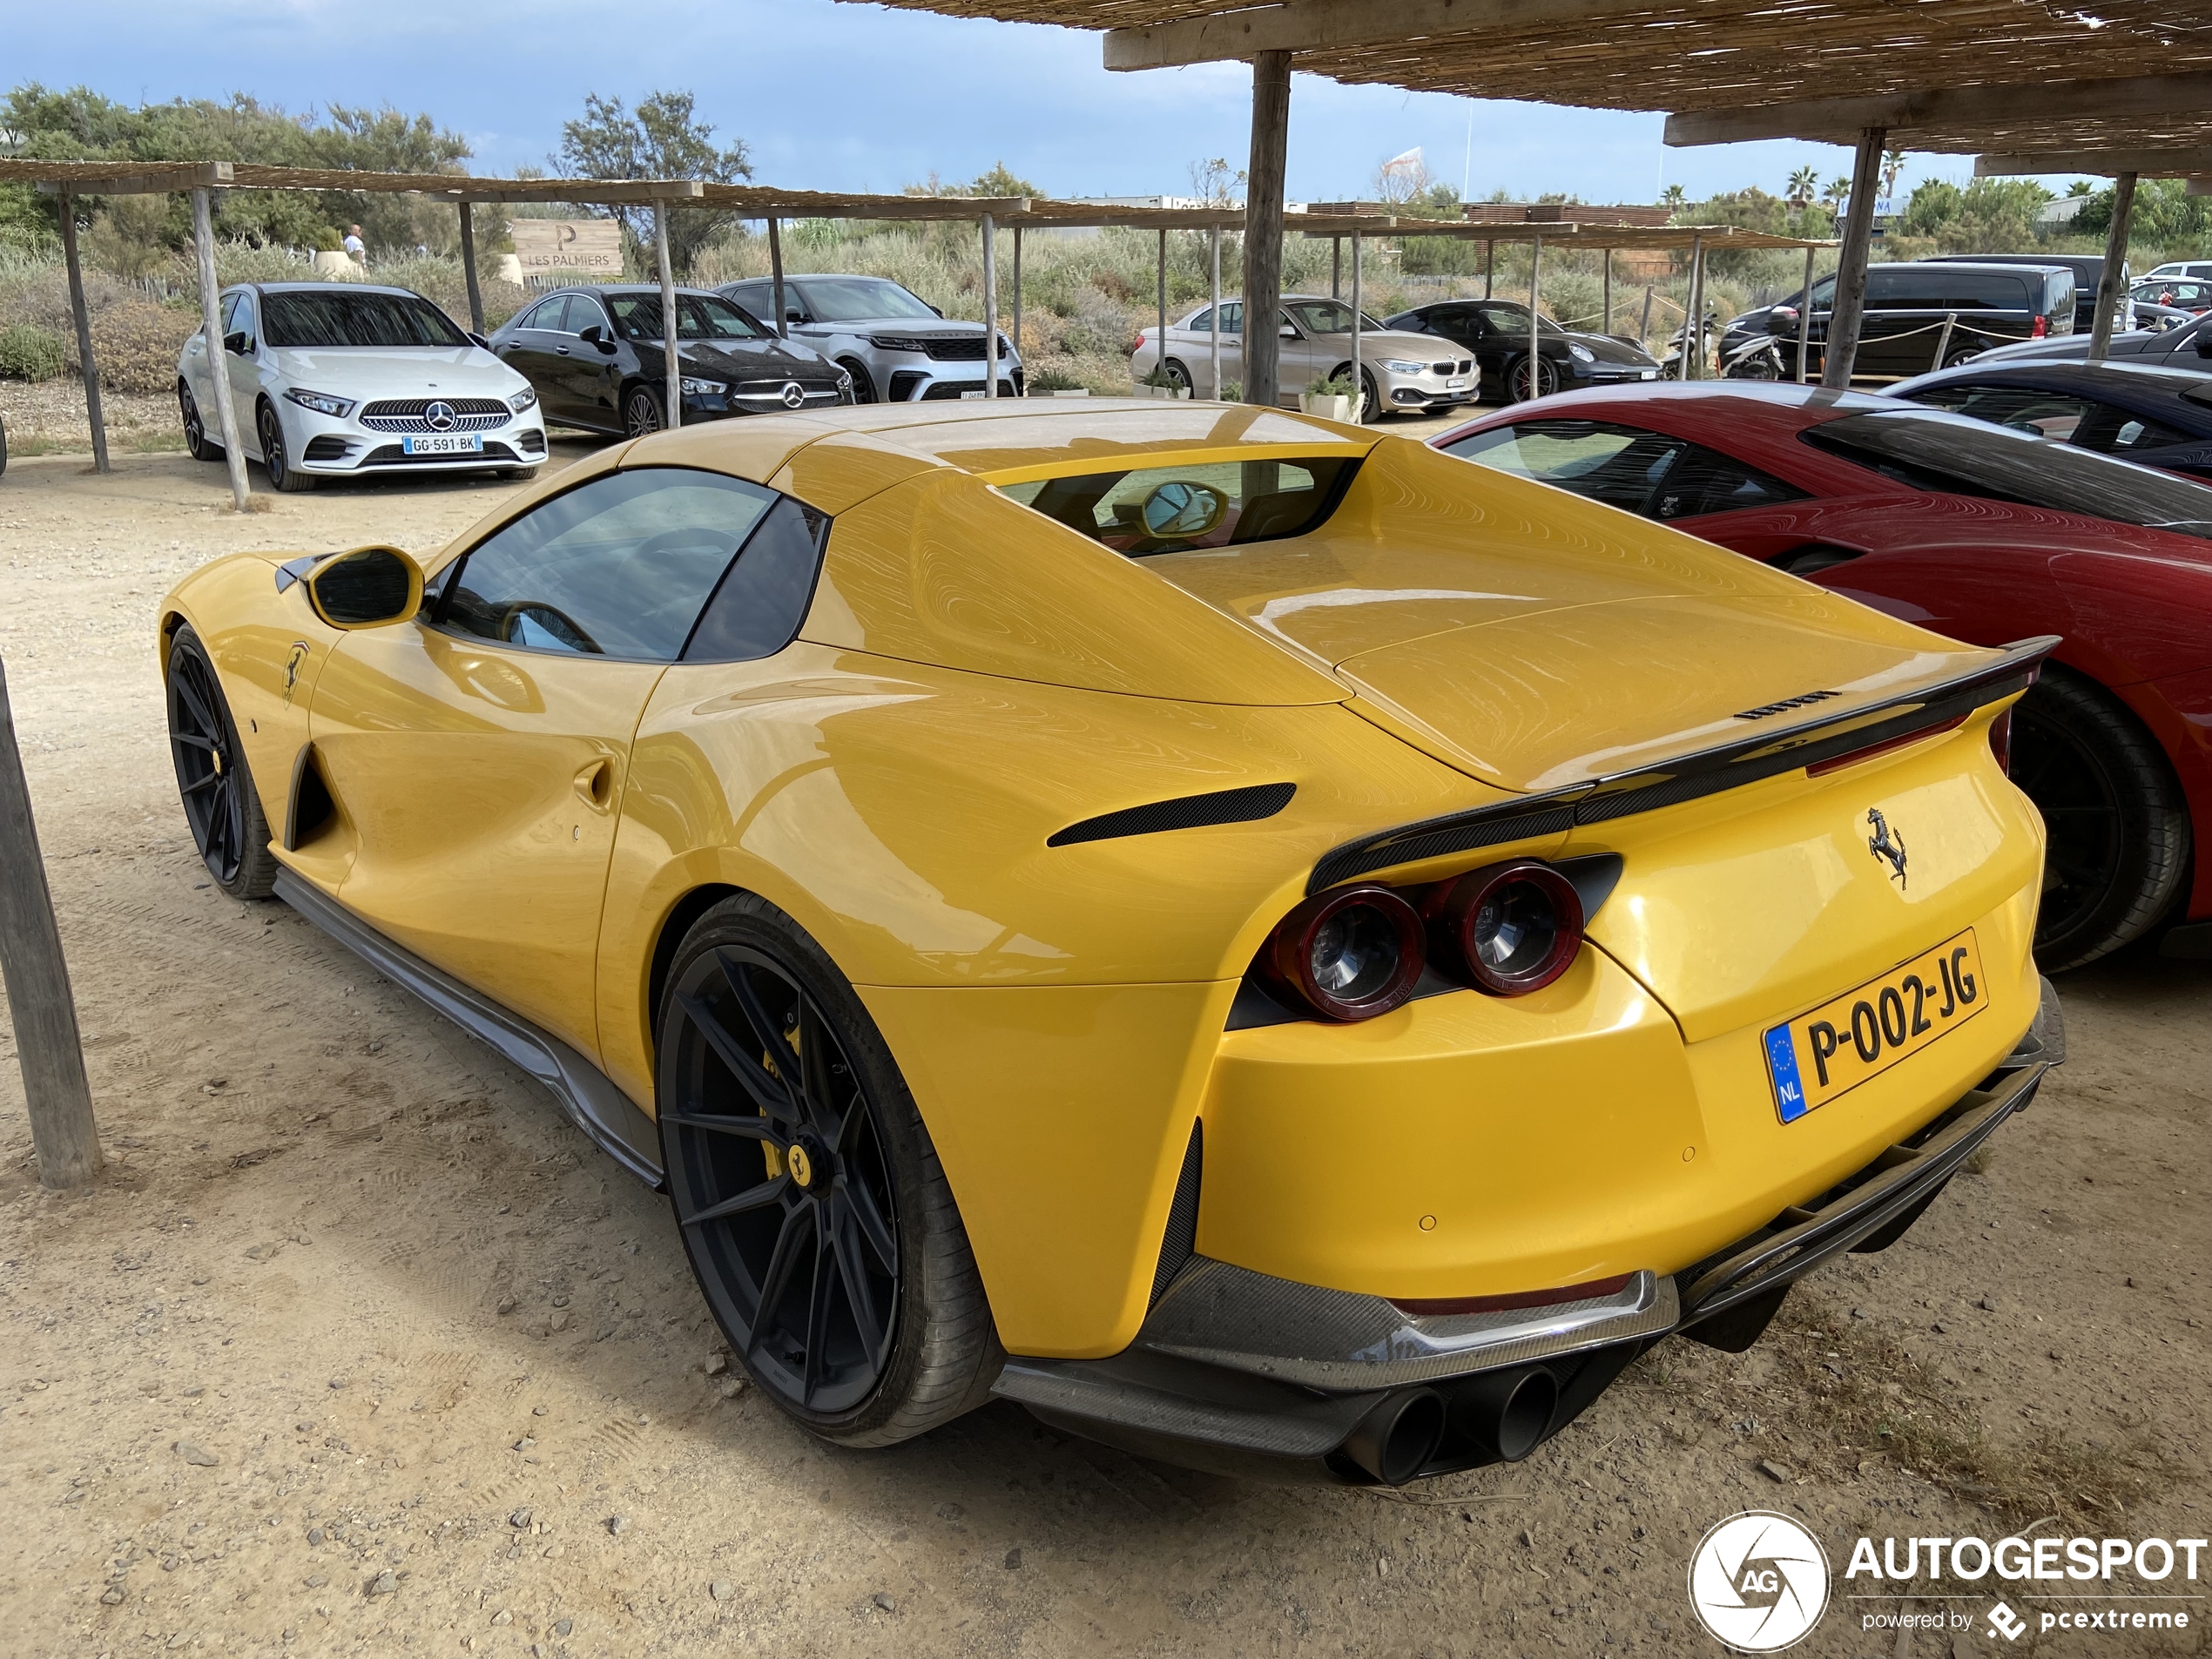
[1410, 162]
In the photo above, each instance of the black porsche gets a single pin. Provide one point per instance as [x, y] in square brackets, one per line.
[1496, 331]
[594, 355]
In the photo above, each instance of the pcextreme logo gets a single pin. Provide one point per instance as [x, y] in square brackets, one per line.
[1759, 1582]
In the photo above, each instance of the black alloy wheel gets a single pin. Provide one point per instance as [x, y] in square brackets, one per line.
[221, 804]
[809, 1196]
[1371, 410]
[863, 382]
[1179, 377]
[1517, 379]
[283, 476]
[198, 445]
[640, 416]
[2117, 822]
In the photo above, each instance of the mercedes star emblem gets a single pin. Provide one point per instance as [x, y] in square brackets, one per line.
[793, 394]
[438, 417]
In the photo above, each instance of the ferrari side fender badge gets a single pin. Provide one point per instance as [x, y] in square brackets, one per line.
[1887, 843]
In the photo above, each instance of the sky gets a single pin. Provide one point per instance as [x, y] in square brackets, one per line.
[832, 96]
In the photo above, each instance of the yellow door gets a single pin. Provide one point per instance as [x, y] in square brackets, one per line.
[482, 781]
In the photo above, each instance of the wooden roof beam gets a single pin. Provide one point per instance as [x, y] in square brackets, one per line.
[1828, 120]
[2149, 164]
[1322, 25]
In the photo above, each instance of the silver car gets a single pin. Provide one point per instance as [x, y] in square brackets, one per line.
[1408, 374]
[898, 347]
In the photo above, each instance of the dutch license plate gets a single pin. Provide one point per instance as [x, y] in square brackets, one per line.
[1862, 1034]
[1458, 383]
[444, 443]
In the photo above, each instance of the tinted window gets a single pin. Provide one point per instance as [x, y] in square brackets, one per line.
[763, 599]
[2063, 416]
[698, 316]
[548, 315]
[1618, 465]
[1952, 455]
[1232, 318]
[855, 299]
[1501, 316]
[1260, 501]
[341, 318]
[582, 311]
[1941, 288]
[1704, 480]
[618, 567]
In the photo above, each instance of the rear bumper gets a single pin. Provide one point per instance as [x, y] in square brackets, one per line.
[1243, 1373]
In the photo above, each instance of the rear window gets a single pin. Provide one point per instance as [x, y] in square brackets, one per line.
[1952, 455]
[1175, 509]
[341, 318]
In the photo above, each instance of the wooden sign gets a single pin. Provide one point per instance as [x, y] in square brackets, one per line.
[546, 244]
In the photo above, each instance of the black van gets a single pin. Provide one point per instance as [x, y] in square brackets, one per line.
[2088, 270]
[1906, 306]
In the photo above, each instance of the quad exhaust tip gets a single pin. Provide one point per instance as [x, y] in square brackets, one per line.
[1500, 1417]
[1397, 1439]
[1506, 1413]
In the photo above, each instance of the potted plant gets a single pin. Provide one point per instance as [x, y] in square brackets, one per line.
[1158, 383]
[1334, 398]
[1054, 382]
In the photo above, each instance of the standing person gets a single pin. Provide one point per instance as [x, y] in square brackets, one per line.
[356, 250]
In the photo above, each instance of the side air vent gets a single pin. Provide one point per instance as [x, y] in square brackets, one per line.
[1180, 1239]
[312, 808]
[1185, 812]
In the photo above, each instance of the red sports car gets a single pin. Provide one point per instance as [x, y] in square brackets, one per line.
[1974, 530]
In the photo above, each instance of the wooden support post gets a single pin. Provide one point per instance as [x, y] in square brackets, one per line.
[83, 318]
[1693, 325]
[1336, 268]
[1018, 298]
[1643, 328]
[63, 1135]
[1847, 311]
[1804, 321]
[218, 359]
[1359, 384]
[1264, 227]
[776, 277]
[1163, 304]
[1489, 256]
[674, 365]
[1609, 292]
[2109, 298]
[1213, 294]
[991, 308]
[1536, 337]
[469, 267]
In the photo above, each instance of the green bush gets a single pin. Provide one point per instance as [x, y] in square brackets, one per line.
[29, 352]
[328, 241]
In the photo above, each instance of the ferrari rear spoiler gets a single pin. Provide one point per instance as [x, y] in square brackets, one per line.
[1706, 772]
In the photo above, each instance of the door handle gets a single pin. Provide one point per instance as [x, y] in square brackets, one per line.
[595, 786]
[563, 350]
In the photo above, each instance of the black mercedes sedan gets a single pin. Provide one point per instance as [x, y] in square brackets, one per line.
[594, 355]
[2161, 417]
[1496, 332]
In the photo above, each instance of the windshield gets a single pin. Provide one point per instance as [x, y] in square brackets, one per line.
[1950, 454]
[341, 319]
[1325, 317]
[698, 316]
[1514, 320]
[859, 300]
[1177, 508]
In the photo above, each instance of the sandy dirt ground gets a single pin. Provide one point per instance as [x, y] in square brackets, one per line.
[360, 1348]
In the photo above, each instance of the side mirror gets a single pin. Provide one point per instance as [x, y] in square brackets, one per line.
[793, 314]
[235, 343]
[477, 340]
[1781, 320]
[369, 587]
[592, 332]
[1177, 509]
[1287, 332]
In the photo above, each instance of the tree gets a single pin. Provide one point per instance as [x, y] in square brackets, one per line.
[663, 139]
[1836, 193]
[1892, 164]
[1804, 183]
[1673, 198]
[1217, 181]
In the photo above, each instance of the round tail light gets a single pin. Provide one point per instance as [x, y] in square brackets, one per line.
[1514, 928]
[1347, 954]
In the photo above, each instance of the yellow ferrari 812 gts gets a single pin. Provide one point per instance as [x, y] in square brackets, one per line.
[1267, 945]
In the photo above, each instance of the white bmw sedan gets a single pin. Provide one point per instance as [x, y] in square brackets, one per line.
[334, 379]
